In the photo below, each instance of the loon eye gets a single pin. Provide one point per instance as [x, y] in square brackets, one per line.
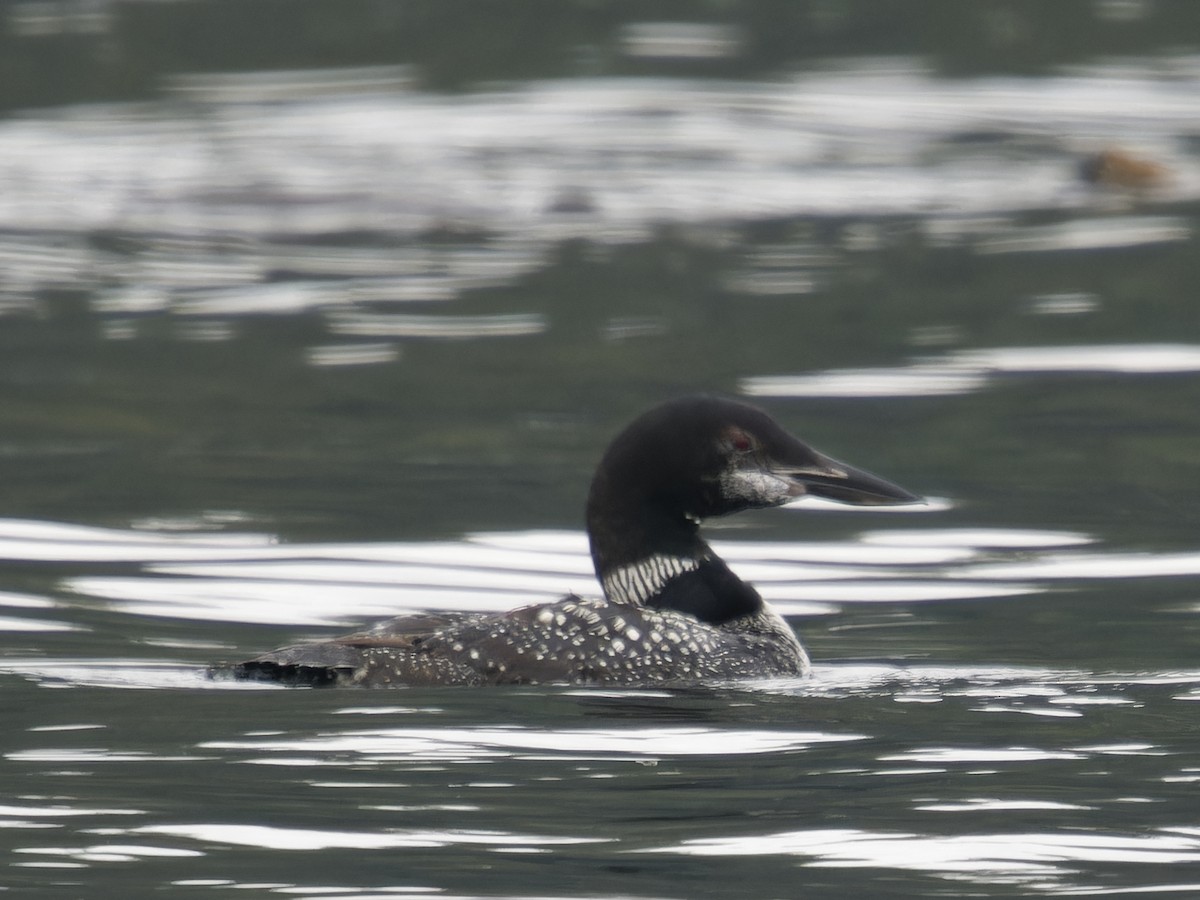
[740, 441]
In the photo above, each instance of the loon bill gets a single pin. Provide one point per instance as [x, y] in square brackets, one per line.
[672, 612]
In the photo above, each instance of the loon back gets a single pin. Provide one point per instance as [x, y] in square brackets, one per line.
[572, 641]
[672, 611]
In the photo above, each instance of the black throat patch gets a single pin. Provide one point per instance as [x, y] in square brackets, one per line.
[707, 590]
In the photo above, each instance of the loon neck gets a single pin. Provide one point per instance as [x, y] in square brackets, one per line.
[625, 534]
[644, 558]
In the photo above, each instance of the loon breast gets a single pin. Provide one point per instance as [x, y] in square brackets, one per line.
[671, 612]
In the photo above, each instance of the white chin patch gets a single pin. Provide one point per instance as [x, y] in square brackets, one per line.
[756, 487]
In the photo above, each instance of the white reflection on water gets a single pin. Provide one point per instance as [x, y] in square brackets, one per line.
[253, 578]
[394, 325]
[991, 804]
[353, 354]
[459, 744]
[277, 298]
[287, 84]
[88, 755]
[681, 40]
[916, 380]
[278, 838]
[246, 577]
[972, 370]
[286, 602]
[1014, 538]
[1089, 234]
[972, 755]
[12, 623]
[1068, 303]
[122, 674]
[58, 810]
[296, 583]
[275, 838]
[1098, 565]
[93, 853]
[1129, 359]
[976, 856]
[13, 600]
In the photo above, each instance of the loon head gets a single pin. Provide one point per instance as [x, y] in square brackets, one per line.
[703, 456]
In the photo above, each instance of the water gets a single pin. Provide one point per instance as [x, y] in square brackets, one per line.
[296, 334]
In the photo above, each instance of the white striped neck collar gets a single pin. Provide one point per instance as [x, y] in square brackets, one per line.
[638, 582]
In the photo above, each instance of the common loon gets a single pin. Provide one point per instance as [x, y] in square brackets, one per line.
[672, 611]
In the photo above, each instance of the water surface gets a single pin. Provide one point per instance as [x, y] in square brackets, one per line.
[301, 334]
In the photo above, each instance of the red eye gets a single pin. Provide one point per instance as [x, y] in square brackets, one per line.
[741, 441]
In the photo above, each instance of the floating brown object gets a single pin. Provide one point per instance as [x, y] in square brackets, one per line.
[1117, 168]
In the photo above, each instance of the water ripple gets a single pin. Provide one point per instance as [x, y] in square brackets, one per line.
[968, 371]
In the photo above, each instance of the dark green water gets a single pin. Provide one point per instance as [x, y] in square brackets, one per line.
[314, 313]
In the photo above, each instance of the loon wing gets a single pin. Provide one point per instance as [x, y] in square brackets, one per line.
[337, 660]
[424, 649]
